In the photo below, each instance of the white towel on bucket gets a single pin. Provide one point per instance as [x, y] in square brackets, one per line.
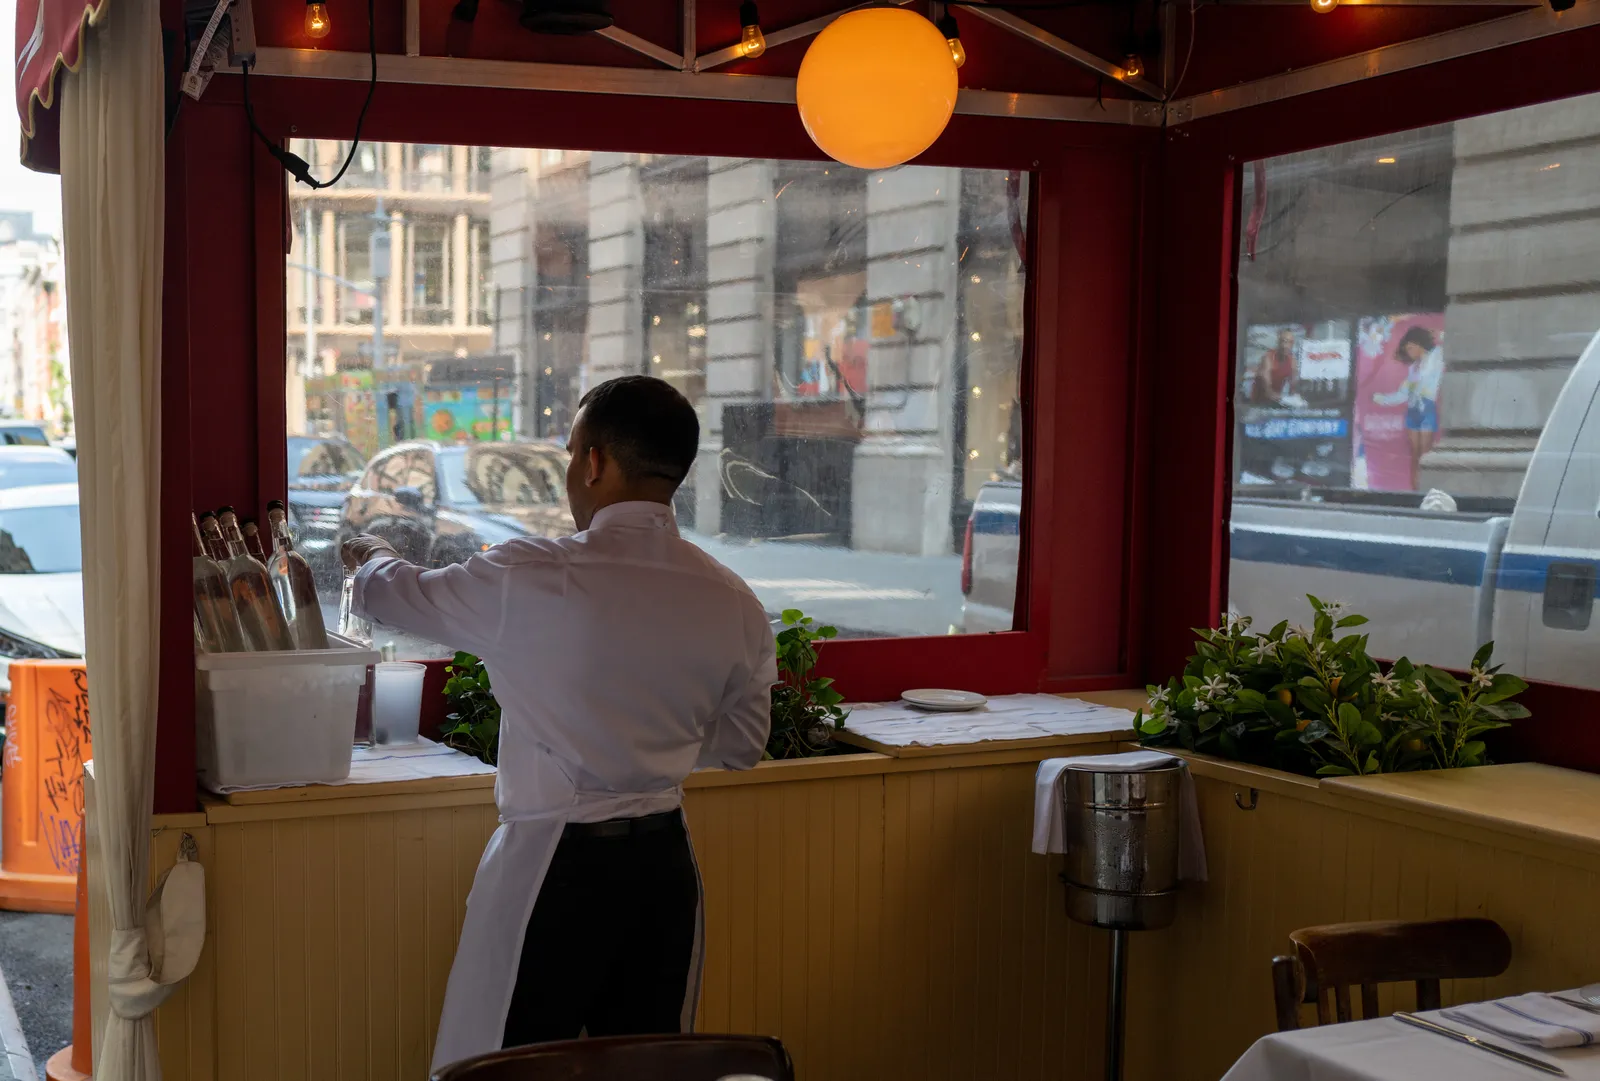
[1050, 817]
[1537, 1019]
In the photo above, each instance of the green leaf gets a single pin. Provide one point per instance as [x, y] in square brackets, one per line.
[1154, 726]
[1474, 749]
[827, 632]
[1281, 715]
[1480, 659]
[1278, 631]
[791, 616]
[1250, 699]
[1504, 686]
[1352, 621]
[1315, 603]
[1505, 711]
[1208, 721]
[1349, 717]
[1372, 765]
[1331, 770]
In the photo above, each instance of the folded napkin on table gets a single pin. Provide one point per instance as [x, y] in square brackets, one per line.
[1538, 1019]
[1049, 815]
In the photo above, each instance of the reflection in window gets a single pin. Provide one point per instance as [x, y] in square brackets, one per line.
[1415, 388]
[851, 341]
[40, 540]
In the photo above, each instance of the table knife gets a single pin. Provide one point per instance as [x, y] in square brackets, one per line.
[1482, 1045]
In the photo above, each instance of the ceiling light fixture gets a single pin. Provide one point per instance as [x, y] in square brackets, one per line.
[952, 37]
[752, 42]
[318, 25]
[1132, 67]
[1322, 7]
[876, 87]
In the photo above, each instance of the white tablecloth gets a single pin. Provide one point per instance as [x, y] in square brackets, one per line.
[1012, 716]
[395, 762]
[1387, 1050]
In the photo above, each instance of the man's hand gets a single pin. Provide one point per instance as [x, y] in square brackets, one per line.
[362, 547]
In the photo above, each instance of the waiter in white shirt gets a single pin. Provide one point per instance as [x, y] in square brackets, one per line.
[623, 657]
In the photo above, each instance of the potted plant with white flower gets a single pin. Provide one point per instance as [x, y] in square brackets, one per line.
[1310, 700]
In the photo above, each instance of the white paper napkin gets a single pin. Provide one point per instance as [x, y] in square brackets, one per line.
[1538, 1020]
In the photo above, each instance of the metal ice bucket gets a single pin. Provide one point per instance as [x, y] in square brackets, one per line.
[1122, 847]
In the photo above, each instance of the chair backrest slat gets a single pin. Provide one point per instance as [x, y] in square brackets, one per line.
[1330, 959]
[689, 1057]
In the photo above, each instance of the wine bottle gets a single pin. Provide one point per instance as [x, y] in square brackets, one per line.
[294, 584]
[252, 540]
[211, 537]
[265, 627]
[216, 623]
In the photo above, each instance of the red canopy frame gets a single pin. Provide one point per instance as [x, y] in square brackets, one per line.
[1133, 248]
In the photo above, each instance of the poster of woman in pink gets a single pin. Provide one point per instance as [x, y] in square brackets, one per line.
[1399, 367]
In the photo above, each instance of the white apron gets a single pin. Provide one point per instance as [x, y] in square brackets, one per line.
[504, 890]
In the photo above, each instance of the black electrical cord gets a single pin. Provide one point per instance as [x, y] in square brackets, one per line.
[297, 166]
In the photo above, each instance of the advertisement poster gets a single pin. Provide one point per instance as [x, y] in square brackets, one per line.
[1398, 414]
[468, 414]
[1293, 405]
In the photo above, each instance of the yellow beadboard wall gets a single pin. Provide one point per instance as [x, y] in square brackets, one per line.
[883, 916]
[1354, 850]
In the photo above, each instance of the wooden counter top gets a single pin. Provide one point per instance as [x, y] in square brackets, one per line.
[319, 800]
[1523, 799]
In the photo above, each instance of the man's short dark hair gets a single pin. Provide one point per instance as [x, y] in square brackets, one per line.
[644, 424]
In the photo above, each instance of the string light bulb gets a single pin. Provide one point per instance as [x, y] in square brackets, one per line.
[752, 42]
[952, 37]
[317, 22]
[1322, 7]
[876, 87]
[1132, 66]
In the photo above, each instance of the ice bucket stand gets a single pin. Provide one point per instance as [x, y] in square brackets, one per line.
[1122, 866]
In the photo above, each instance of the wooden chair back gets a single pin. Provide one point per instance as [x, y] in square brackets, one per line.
[1330, 959]
[689, 1057]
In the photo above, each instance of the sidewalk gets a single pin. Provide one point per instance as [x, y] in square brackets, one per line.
[35, 991]
[15, 1062]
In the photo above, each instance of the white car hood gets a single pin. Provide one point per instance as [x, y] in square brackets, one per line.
[47, 608]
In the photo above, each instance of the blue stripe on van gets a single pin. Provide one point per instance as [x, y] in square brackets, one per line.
[1361, 555]
[1526, 572]
[1523, 572]
[996, 523]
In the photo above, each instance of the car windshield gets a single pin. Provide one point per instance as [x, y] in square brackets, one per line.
[33, 470]
[23, 436]
[40, 540]
[323, 458]
[501, 475]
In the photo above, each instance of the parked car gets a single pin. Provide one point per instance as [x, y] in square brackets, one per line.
[322, 470]
[25, 465]
[41, 575]
[25, 433]
[441, 504]
[1436, 583]
[989, 557]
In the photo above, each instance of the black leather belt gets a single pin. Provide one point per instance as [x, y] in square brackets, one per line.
[624, 827]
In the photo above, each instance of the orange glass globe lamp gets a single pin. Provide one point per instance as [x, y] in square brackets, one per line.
[876, 87]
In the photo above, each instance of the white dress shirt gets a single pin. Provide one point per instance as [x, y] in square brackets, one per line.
[622, 658]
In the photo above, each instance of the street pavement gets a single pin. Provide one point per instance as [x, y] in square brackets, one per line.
[36, 964]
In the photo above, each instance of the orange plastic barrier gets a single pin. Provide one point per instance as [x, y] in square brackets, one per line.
[74, 1062]
[41, 785]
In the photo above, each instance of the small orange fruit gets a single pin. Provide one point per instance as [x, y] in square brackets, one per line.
[1333, 685]
[1300, 725]
[1414, 745]
[1286, 696]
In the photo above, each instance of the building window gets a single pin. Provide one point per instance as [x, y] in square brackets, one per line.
[851, 341]
[1415, 386]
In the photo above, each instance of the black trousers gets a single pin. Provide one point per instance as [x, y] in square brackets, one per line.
[611, 938]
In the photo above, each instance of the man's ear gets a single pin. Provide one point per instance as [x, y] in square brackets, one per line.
[597, 464]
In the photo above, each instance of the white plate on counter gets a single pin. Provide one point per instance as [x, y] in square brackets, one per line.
[943, 701]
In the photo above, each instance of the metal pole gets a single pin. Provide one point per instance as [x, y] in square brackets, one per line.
[310, 366]
[1118, 1000]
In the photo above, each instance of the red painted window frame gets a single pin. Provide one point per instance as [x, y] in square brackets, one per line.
[1086, 264]
[1202, 177]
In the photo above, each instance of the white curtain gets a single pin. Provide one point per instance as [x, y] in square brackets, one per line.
[112, 178]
